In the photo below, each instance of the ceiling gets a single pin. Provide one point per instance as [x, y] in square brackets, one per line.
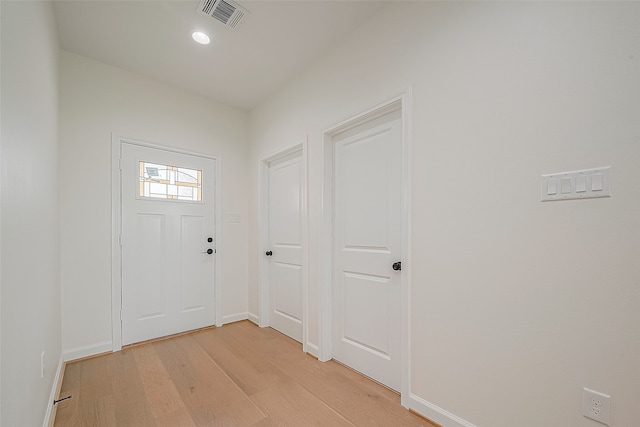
[241, 67]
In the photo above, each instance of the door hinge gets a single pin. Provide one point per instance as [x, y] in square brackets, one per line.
[120, 164]
[121, 315]
[120, 239]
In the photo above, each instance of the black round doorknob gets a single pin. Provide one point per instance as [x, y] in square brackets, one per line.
[397, 266]
[268, 253]
[209, 251]
[210, 239]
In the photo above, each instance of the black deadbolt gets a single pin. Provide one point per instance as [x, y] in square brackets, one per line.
[397, 266]
[268, 253]
[210, 239]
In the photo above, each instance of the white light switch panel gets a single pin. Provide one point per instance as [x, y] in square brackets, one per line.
[582, 184]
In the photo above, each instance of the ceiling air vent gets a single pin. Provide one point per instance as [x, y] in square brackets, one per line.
[228, 12]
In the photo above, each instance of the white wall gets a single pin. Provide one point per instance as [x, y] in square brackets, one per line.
[97, 100]
[516, 304]
[30, 270]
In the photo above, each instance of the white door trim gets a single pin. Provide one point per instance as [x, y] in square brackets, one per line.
[401, 101]
[263, 263]
[116, 230]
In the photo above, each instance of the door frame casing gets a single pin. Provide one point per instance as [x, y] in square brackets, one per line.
[116, 231]
[264, 291]
[402, 102]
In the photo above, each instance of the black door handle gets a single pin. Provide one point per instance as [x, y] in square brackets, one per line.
[397, 266]
[209, 251]
[268, 253]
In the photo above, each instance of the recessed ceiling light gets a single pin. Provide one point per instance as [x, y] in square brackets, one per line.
[201, 37]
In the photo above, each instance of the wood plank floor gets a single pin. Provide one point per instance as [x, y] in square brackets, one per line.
[237, 375]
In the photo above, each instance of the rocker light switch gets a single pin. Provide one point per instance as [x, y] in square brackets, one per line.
[596, 182]
[581, 184]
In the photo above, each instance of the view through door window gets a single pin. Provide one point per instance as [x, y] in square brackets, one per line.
[170, 182]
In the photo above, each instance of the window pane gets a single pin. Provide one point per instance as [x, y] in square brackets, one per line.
[170, 182]
[158, 190]
[188, 175]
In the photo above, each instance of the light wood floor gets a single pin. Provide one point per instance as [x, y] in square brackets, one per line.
[237, 375]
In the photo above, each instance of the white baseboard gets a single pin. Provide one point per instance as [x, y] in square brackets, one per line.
[234, 318]
[88, 350]
[435, 413]
[253, 318]
[313, 350]
[49, 416]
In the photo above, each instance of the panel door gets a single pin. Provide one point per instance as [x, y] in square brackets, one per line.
[167, 221]
[285, 245]
[367, 242]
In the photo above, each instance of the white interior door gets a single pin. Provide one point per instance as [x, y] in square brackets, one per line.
[167, 258]
[285, 244]
[367, 242]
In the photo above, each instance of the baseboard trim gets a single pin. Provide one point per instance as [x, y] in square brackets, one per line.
[313, 350]
[50, 415]
[435, 413]
[253, 318]
[234, 318]
[87, 351]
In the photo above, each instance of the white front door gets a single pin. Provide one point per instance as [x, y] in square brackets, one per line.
[367, 242]
[285, 244]
[168, 246]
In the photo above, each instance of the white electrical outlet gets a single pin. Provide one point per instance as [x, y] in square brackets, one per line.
[596, 406]
[42, 364]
